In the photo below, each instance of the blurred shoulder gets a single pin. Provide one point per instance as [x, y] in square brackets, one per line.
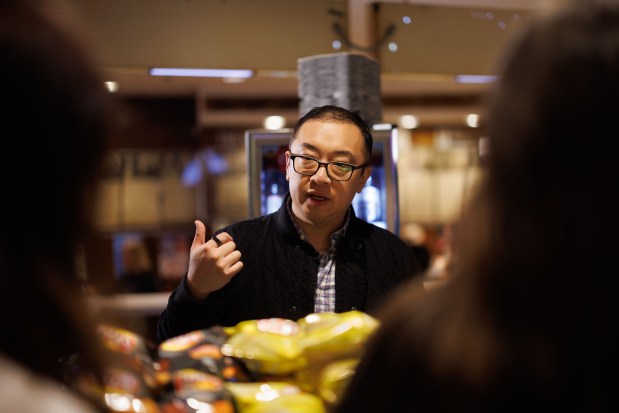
[25, 392]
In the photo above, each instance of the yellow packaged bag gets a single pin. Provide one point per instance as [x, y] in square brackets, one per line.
[330, 336]
[266, 346]
[269, 397]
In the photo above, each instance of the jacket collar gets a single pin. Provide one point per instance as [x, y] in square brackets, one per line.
[285, 226]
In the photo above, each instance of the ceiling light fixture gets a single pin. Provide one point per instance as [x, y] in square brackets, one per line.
[382, 126]
[472, 120]
[409, 121]
[474, 78]
[111, 86]
[187, 72]
[274, 122]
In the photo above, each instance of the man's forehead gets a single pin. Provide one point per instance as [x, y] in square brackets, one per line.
[316, 129]
[314, 148]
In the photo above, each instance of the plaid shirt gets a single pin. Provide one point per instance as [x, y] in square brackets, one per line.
[324, 296]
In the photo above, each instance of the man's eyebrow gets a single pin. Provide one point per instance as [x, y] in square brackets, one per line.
[336, 153]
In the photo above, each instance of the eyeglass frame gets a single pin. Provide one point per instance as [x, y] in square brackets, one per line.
[353, 168]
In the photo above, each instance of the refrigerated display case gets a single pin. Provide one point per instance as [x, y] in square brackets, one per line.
[377, 203]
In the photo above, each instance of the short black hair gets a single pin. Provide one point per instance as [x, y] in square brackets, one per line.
[338, 114]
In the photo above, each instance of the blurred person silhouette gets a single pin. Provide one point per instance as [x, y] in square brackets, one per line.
[312, 255]
[173, 259]
[54, 125]
[529, 320]
[415, 236]
[137, 273]
[422, 257]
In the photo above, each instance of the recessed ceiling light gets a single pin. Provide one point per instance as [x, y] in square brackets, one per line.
[472, 120]
[188, 72]
[274, 122]
[111, 86]
[409, 121]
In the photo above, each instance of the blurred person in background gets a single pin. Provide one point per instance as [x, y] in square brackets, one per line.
[415, 236]
[54, 113]
[312, 255]
[529, 320]
[137, 272]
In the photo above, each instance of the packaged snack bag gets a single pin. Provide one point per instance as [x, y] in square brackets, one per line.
[195, 405]
[334, 378]
[329, 337]
[200, 350]
[129, 382]
[126, 346]
[196, 349]
[193, 383]
[131, 369]
[266, 346]
[280, 397]
[126, 403]
[195, 391]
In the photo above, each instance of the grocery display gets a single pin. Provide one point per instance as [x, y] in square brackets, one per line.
[256, 366]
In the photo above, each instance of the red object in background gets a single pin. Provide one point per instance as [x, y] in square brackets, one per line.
[281, 158]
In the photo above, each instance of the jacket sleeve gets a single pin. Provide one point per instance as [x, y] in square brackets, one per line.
[184, 314]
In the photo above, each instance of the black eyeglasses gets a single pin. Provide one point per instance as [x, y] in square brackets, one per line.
[336, 171]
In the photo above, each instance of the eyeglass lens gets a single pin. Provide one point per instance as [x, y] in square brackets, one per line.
[336, 171]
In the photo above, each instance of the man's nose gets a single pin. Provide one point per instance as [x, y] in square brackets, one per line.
[321, 174]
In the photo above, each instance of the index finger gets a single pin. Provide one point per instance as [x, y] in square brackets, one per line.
[221, 238]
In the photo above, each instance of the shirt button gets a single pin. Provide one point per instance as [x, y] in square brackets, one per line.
[359, 246]
[353, 308]
[293, 309]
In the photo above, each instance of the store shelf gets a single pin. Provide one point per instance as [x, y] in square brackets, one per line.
[132, 305]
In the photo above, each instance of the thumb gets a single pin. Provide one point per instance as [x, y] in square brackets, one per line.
[198, 239]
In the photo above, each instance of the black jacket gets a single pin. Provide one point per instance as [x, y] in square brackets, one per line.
[279, 275]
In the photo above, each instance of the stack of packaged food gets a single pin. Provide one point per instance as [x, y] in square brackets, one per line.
[267, 365]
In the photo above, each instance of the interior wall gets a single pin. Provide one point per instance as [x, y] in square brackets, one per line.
[146, 188]
[437, 169]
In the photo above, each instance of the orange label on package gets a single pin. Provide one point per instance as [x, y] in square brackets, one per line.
[182, 342]
[205, 350]
[191, 379]
[118, 339]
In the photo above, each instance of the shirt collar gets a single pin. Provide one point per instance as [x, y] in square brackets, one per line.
[335, 236]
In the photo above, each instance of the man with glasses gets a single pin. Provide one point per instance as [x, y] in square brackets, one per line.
[312, 255]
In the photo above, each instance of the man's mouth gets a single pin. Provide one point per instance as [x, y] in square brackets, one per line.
[317, 197]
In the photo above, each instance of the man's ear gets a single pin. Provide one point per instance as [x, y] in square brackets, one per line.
[364, 178]
[288, 160]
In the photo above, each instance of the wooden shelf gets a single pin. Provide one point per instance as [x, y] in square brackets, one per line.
[133, 305]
